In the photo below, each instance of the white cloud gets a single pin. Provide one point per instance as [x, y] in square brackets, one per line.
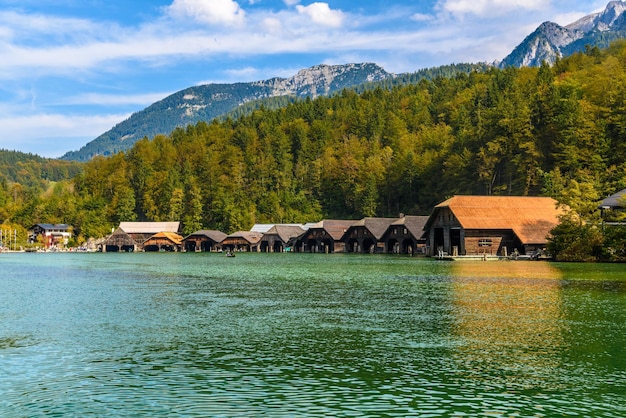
[5, 33]
[220, 12]
[92, 49]
[271, 25]
[490, 7]
[36, 29]
[39, 50]
[62, 132]
[567, 18]
[322, 14]
[99, 99]
[247, 73]
[421, 17]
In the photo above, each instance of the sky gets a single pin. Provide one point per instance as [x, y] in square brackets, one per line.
[70, 70]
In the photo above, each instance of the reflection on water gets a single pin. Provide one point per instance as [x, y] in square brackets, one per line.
[506, 270]
[305, 335]
[511, 329]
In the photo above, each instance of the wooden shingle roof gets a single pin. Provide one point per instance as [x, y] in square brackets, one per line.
[242, 237]
[617, 200]
[214, 235]
[263, 228]
[149, 227]
[120, 238]
[376, 226]
[334, 227]
[414, 224]
[530, 218]
[285, 232]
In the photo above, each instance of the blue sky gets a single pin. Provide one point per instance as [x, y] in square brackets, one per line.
[72, 69]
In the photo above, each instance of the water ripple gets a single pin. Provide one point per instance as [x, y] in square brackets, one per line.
[353, 337]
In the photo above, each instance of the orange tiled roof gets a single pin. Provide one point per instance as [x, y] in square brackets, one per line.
[171, 236]
[531, 218]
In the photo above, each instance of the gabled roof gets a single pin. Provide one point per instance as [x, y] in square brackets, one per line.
[376, 226]
[530, 218]
[263, 228]
[170, 236]
[47, 227]
[119, 237]
[617, 200]
[286, 232]
[239, 236]
[216, 236]
[334, 227]
[414, 224]
[149, 227]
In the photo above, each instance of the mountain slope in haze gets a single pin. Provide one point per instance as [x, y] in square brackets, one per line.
[551, 41]
[206, 102]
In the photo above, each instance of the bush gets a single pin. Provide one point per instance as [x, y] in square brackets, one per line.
[574, 240]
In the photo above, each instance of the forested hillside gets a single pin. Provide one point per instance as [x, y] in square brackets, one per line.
[210, 101]
[556, 131]
[31, 170]
[25, 179]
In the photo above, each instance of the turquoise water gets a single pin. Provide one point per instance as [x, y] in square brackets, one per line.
[309, 335]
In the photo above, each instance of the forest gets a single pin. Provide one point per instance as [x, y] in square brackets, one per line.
[554, 131]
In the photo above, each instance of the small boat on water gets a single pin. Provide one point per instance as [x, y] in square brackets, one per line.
[230, 254]
[478, 257]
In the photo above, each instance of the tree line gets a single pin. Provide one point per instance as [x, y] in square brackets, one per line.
[554, 130]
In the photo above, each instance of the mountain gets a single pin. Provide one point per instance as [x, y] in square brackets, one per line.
[206, 102]
[30, 170]
[551, 41]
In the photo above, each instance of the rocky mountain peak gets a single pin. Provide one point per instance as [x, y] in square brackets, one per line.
[611, 14]
[601, 21]
[557, 35]
[550, 40]
[321, 79]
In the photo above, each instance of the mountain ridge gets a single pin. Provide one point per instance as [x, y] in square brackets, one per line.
[208, 101]
[551, 41]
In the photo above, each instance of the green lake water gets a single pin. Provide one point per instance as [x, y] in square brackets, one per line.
[297, 335]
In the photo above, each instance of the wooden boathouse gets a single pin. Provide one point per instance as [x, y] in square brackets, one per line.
[131, 236]
[244, 241]
[277, 237]
[120, 241]
[405, 236]
[164, 241]
[204, 241]
[491, 225]
[323, 237]
[364, 236]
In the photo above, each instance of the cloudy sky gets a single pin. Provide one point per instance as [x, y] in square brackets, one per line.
[72, 69]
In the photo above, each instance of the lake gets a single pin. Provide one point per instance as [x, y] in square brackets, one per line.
[194, 335]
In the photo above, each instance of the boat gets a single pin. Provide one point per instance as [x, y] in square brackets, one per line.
[470, 257]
